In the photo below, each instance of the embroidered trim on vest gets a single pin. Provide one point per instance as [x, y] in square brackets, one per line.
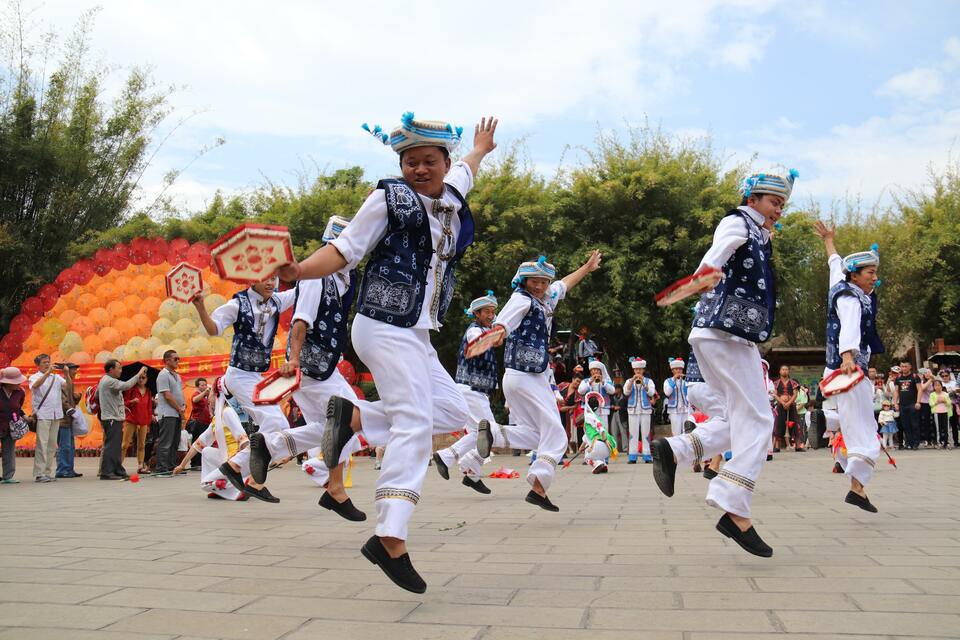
[696, 444]
[735, 478]
[391, 493]
[860, 456]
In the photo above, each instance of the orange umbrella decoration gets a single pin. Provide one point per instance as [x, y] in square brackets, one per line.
[114, 304]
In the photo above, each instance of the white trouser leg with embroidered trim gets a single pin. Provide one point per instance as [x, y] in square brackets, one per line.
[312, 398]
[464, 450]
[733, 371]
[533, 409]
[855, 409]
[415, 391]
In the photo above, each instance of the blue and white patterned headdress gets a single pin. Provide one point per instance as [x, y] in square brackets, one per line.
[771, 183]
[418, 133]
[488, 300]
[862, 259]
[335, 226]
[539, 268]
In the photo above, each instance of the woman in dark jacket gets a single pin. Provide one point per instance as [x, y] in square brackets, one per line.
[11, 405]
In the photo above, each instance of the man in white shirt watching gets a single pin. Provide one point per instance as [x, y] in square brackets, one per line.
[45, 387]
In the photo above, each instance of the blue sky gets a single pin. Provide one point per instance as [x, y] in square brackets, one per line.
[860, 97]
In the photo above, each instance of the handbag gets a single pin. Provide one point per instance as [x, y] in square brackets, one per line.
[81, 426]
[18, 427]
[32, 419]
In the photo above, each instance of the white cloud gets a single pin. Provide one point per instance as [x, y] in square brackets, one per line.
[749, 47]
[952, 48]
[922, 83]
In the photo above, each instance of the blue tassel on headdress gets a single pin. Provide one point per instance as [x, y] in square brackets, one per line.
[407, 118]
[489, 292]
[778, 226]
[376, 132]
[366, 127]
[468, 312]
[794, 174]
[877, 283]
[459, 131]
[542, 260]
[875, 248]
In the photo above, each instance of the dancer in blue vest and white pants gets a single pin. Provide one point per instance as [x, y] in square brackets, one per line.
[851, 339]
[525, 323]
[641, 395]
[254, 314]
[415, 231]
[675, 396]
[476, 378]
[735, 312]
[318, 337]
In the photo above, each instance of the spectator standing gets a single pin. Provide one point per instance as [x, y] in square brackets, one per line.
[110, 394]
[200, 415]
[138, 402]
[587, 348]
[888, 424]
[788, 421]
[12, 396]
[46, 386]
[906, 401]
[928, 431]
[619, 421]
[941, 408]
[170, 410]
[65, 445]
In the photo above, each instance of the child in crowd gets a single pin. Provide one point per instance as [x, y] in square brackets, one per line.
[888, 424]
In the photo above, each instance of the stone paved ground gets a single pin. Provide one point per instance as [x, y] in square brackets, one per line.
[86, 559]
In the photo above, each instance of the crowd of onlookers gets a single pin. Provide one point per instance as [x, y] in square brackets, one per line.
[144, 418]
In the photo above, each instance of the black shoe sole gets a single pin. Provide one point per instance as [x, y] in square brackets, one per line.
[369, 555]
[709, 473]
[533, 498]
[484, 439]
[441, 466]
[664, 468]
[233, 477]
[863, 503]
[331, 444]
[259, 458]
[258, 494]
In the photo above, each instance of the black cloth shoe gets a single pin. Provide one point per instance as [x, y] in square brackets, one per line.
[344, 509]
[664, 467]
[338, 432]
[709, 473]
[259, 457]
[476, 485]
[837, 468]
[541, 501]
[260, 494]
[769, 457]
[441, 466]
[484, 438]
[399, 570]
[860, 501]
[749, 540]
[232, 476]
[689, 426]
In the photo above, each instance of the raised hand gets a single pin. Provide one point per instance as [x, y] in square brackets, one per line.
[825, 232]
[483, 135]
[594, 262]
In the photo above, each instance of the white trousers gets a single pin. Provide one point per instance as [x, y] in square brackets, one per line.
[269, 418]
[464, 450]
[734, 373]
[677, 418]
[533, 409]
[639, 433]
[312, 398]
[212, 480]
[855, 409]
[597, 454]
[416, 393]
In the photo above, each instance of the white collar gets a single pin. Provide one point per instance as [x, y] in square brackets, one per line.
[254, 296]
[755, 215]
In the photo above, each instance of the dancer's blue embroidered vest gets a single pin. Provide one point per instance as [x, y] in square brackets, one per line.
[394, 281]
[327, 338]
[679, 391]
[526, 348]
[869, 340]
[248, 352]
[638, 392]
[595, 388]
[693, 369]
[744, 302]
[480, 373]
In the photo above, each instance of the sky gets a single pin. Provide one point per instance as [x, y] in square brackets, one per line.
[862, 98]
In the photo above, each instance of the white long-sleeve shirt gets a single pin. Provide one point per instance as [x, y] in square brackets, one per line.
[518, 305]
[729, 236]
[226, 314]
[651, 393]
[369, 227]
